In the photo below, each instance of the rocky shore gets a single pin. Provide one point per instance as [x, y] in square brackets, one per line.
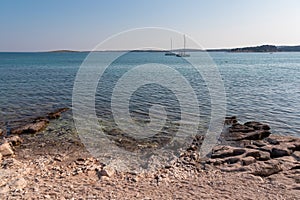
[249, 163]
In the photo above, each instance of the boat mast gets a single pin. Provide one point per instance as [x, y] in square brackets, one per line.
[183, 44]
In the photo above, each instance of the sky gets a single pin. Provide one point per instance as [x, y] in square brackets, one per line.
[34, 25]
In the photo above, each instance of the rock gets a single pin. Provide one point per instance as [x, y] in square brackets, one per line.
[232, 160]
[197, 141]
[58, 158]
[251, 135]
[267, 168]
[106, 171]
[0, 158]
[296, 155]
[248, 131]
[240, 128]
[6, 150]
[272, 141]
[248, 160]
[279, 152]
[56, 114]
[259, 155]
[14, 140]
[33, 127]
[10, 163]
[257, 125]
[18, 184]
[226, 151]
[230, 120]
[1, 132]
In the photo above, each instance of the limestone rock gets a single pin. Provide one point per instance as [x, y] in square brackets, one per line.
[240, 128]
[280, 152]
[230, 120]
[226, 151]
[248, 131]
[33, 127]
[14, 140]
[18, 184]
[257, 125]
[248, 135]
[248, 160]
[56, 114]
[258, 155]
[106, 171]
[267, 168]
[6, 150]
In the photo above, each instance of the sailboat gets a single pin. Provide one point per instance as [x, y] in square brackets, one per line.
[170, 53]
[183, 54]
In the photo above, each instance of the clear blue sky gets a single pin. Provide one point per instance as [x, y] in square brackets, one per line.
[35, 25]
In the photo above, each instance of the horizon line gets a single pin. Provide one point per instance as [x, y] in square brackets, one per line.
[121, 50]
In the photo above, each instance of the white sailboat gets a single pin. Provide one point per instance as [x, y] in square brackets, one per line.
[183, 54]
[170, 53]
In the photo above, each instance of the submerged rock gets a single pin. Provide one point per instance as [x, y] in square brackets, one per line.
[56, 114]
[248, 131]
[38, 124]
[230, 120]
[33, 127]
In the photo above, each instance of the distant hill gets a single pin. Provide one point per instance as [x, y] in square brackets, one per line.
[63, 51]
[263, 48]
[288, 48]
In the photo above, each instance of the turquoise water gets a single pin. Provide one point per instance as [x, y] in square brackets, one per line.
[259, 86]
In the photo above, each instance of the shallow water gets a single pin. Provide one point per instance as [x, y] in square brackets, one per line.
[259, 86]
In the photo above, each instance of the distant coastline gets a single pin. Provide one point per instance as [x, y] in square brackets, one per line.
[251, 49]
[261, 49]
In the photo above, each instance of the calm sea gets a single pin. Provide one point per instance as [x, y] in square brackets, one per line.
[259, 86]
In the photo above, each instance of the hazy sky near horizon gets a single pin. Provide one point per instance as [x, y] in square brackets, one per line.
[34, 25]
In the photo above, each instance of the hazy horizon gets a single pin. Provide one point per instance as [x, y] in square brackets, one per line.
[33, 26]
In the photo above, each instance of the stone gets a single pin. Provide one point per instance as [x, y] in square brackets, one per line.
[226, 151]
[106, 171]
[33, 127]
[230, 120]
[279, 152]
[257, 125]
[0, 158]
[265, 169]
[240, 128]
[6, 150]
[259, 155]
[248, 160]
[232, 160]
[1, 132]
[18, 184]
[253, 135]
[248, 131]
[56, 114]
[296, 155]
[14, 140]
[10, 163]
[272, 141]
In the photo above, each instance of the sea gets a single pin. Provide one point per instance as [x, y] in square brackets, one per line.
[261, 87]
